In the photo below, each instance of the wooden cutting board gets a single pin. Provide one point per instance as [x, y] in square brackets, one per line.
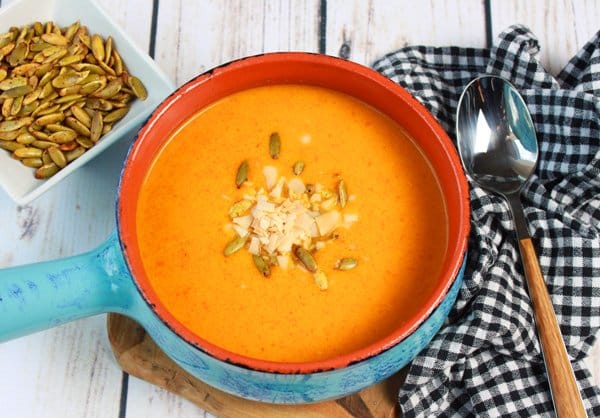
[137, 354]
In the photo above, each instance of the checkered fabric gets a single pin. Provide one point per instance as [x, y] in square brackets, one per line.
[486, 360]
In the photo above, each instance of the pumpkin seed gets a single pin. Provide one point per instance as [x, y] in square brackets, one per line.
[62, 137]
[77, 126]
[25, 69]
[240, 207]
[108, 49]
[242, 174]
[55, 127]
[306, 258]
[18, 91]
[92, 86]
[69, 91]
[11, 83]
[346, 263]
[84, 142]
[10, 145]
[118, 65]
[71, 59]
[261, 265]
[72, 30]
[6, 106]
[234, 245]
[50, 118]
[116, 115]
[46, 109]
[28, 152]
[98, 47]
[110, 90]
[41, 144]
[54, 39]
[46, 171]
[25, 138]
[56, 56]
[81, 115]
[106, 68]
[43, 136]
[138, 88]
[48, 76]
[298, 167]
[68, 146]
[96, 126]
[74, 154]
[10, 135]
[47, 92]
[11, 125]
[69, 98]
[99, 104]
[32, 162]
[342, 193]
[18, 54]
[274, 145]
[321, 280]
[16, 105]
[57, 157]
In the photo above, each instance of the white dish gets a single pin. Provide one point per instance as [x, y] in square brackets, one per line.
[17, 180]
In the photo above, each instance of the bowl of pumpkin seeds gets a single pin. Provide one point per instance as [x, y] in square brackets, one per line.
[71, 84]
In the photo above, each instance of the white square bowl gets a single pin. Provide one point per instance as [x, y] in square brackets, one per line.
[16, 179]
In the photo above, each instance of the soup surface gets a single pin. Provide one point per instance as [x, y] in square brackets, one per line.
[397, 231]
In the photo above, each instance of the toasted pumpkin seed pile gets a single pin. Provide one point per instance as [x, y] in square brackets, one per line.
[62, 90]
[286, 222]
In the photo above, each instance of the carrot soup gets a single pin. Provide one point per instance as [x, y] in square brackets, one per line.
[291, 223]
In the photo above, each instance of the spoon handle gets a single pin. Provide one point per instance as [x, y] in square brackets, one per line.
[565, 393]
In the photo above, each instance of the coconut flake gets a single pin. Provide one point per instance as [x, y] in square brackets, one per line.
[283, 261]
[270, 174]
[254, 247]
[242, 232]
[296, 187]
[328, 221]
[243, 221]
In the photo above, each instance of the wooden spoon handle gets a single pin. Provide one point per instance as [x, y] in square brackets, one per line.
[565, 393]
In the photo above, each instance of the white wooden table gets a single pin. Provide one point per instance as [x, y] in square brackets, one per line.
[69, 371]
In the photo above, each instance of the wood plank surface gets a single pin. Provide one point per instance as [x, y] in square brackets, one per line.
[69, 371]
[363, 31]
[562, 26]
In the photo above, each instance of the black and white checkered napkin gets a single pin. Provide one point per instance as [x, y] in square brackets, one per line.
[486, 360]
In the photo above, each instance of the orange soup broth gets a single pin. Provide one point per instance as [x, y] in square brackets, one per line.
[399, 239]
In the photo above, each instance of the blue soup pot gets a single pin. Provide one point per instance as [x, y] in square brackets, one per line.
[108, 279]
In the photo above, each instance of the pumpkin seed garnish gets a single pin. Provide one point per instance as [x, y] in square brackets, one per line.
[240, 207]
[262, 266]
[306, 258]
[45, 171]
[342, 193]
[234, 245]
[274, 145]
[298, 167]
[346, 263]
[321, 280]
[242, 174]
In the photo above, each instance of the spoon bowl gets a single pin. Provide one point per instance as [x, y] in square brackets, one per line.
[499, 151]
[497, 140]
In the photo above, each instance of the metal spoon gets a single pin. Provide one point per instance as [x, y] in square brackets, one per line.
[498, 148]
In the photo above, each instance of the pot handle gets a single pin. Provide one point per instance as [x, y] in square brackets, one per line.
[38, 296]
